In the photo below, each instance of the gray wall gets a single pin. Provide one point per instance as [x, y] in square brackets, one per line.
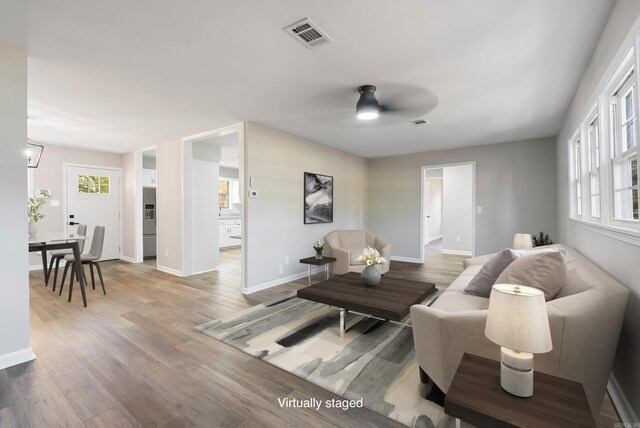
[515, 185]
[618, 258]
[169, 207]
[274, 221]
[14, 303]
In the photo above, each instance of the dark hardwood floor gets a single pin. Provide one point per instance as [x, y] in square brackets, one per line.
[133, 358]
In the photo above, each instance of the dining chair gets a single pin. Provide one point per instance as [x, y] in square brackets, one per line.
[58, 255]
[91, 259]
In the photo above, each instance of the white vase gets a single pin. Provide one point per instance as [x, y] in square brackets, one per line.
[33, 227]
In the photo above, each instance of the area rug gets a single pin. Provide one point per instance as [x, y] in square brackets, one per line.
[374, 361]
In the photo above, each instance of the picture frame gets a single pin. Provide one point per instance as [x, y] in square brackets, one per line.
[318, 198]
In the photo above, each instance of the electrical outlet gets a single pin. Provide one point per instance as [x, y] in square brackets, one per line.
[280, 270]
[286, 260]
[479, 210]
[458, 239]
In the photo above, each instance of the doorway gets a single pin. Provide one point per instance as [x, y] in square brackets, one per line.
[93, 198]
[149, 206]
[213, 203]
[448, 209]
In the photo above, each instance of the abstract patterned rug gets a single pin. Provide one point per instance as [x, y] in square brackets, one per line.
[373, 361]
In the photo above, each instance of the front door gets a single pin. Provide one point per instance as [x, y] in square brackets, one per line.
[93, 198]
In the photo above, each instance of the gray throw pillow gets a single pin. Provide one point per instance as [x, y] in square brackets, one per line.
[481, 284]
[545, 271]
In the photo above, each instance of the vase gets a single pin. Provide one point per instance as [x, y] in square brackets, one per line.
[33, 228]
[371, 276]
[319, 255]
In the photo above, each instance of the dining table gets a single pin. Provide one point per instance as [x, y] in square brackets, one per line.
[49, 241]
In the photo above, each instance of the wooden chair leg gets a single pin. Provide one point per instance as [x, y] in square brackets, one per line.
[46, 283]
[100, 275]
[64, 277]
[84, 273]
[73, 274]
[55, 276]
[93, 280]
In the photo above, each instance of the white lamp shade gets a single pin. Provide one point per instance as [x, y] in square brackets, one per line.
[518, 319]
[522, 241]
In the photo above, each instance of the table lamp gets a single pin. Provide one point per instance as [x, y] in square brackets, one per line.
[518, 322]
[522, 241]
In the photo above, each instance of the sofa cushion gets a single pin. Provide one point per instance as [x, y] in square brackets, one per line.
[460, 283]
[546, 271]
[481, 284]
[354, 241]
[455, 302]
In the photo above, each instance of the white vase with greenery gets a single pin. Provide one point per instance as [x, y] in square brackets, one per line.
[35, 215]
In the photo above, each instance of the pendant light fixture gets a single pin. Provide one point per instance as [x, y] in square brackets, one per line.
[367, 107]
[33, 153]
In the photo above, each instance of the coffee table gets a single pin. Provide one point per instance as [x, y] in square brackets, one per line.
[390, 301]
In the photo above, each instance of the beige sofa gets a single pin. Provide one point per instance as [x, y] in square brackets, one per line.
[585, 320]
[347, 245]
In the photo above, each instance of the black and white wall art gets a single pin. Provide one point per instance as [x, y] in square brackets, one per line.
[318, 198]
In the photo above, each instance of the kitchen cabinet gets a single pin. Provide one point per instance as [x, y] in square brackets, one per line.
[149, 178]
[229, 228]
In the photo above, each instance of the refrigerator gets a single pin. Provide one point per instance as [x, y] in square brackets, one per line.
[149, 222]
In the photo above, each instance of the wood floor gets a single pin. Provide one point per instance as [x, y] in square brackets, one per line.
[133, 358]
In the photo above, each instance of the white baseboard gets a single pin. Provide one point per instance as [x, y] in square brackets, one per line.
[282, 280]
[406, 259]
[18, 357]
[130, 259]
[205, 271]
[433, 238]
[457, 252]
[39, 266]
[172, 271]
[620, 402]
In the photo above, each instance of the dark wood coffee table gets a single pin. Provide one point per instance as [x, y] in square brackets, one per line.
[389, 301]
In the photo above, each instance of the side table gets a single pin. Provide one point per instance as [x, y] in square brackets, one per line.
[475, 396]
[324, 261]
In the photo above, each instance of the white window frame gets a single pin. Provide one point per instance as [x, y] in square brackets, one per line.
[591, 137]
[600, 109]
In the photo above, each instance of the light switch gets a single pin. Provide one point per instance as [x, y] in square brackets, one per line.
[55, 203]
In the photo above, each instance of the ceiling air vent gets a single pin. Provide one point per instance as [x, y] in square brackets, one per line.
[308, 33]
[419, 122]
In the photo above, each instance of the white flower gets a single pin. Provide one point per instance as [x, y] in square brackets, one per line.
[369, 262]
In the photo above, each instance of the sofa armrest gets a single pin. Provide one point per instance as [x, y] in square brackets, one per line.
[479, 260]
[442, 337]
[343, 262]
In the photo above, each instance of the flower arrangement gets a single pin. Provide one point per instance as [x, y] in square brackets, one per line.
[370, 256]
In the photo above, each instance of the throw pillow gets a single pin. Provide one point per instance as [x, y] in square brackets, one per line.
[481, 284]
[546, 271]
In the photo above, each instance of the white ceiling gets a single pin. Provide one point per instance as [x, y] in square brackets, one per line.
[119, 75]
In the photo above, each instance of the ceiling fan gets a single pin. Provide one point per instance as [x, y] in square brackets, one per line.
[403, 101]
[385, 104]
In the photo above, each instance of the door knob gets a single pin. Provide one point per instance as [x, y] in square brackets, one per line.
[73, 223]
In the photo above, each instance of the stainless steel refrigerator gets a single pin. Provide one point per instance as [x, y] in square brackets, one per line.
[149, 222]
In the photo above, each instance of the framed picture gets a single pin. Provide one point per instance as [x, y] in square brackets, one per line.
[318, 198]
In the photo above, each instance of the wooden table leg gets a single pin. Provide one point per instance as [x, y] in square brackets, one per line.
[44, 266]
[79, 271]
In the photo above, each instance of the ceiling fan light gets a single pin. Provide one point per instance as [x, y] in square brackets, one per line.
[367, 107]
[367, 114]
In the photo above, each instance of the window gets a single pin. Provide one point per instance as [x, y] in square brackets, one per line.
[223, 190]
[93, 184]
[577, 176]
[593, 140]
[624, 160]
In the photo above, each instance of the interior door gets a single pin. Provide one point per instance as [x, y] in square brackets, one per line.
[93, 198]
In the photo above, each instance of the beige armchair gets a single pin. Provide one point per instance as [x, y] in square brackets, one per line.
[347, 245]
[585, 320]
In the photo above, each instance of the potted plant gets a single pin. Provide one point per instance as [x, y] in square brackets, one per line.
[34, 205]
[370, 274]
[541, 239]
[318, 246]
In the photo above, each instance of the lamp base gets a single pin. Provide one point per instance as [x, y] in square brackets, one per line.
[516, 372]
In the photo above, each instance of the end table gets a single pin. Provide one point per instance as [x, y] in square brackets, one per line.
[324, 261]
[475, 396]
